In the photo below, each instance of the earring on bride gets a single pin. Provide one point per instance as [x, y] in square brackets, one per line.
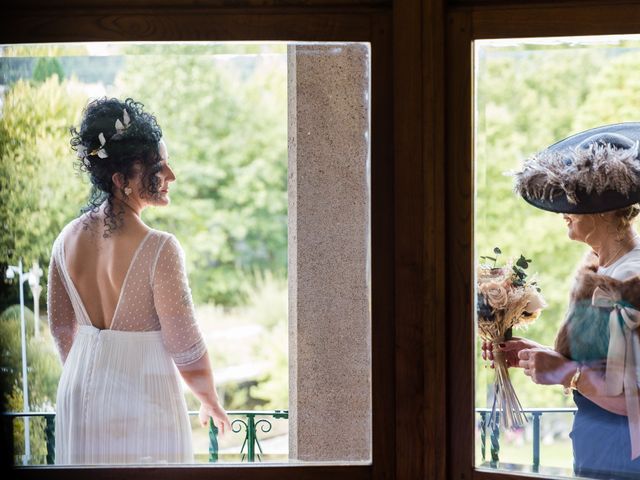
[127, 191]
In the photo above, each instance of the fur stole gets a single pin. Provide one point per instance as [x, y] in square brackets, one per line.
[584, 335]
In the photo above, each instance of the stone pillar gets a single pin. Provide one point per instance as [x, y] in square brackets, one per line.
[329, 306]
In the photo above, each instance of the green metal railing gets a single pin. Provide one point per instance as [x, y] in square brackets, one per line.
[494, 434]
[251, 442]
[251, 421]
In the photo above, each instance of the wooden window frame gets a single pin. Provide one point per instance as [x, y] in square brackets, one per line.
[37, 21]
[468, 21]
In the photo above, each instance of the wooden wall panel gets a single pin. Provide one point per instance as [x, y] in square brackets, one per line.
[420, 256]
[533, 20]
[528, 3]
[433, 222]
[238, 5]
[244, 472]
[77, 25]
[409, 208]
[382, 238]
[459, 236]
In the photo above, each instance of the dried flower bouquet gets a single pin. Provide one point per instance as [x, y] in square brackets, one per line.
[505, 299]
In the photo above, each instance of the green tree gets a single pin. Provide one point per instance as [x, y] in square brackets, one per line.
[39, 191]
[47, 67]
[44, 370]
[267, 306]
[613, 94]
[225, 124]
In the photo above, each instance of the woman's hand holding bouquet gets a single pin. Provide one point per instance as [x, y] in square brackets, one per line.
[505, 299]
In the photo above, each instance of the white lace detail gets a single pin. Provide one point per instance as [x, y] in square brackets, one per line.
[191, 355]
[155, 297]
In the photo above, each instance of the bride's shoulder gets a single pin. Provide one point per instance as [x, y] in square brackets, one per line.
[73, 227]
[162, 234]
[167, 240]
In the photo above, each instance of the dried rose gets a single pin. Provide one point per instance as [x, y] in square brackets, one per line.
[496, 294]
[535, 304]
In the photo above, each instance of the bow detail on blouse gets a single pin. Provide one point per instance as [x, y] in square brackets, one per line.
[622, 357]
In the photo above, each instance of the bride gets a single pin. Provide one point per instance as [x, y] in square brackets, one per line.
[120, 307]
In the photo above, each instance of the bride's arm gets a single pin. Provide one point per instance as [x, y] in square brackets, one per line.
[60, 313]
[180, 332]
[199, 377]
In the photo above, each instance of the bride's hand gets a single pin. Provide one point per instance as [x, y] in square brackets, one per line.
[217, 413]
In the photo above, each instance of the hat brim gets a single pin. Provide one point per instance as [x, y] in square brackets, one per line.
[631, 130]
[605, 202]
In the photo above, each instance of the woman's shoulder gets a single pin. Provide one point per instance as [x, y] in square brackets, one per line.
[167, 241]
[73, 226]
[628, 266]
[163, 235]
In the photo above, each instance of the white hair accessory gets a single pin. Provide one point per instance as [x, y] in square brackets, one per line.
[121, 126]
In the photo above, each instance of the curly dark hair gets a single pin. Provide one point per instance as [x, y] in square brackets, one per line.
[136, 145]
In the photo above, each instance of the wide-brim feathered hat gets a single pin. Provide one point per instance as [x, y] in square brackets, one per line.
[594, 171]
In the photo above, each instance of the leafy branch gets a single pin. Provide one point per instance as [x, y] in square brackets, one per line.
[519, 270]
[497, 252]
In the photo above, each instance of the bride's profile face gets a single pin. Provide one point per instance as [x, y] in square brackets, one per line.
[140, 192]
[165, 176]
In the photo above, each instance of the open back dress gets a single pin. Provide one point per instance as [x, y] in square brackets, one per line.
[119, 397]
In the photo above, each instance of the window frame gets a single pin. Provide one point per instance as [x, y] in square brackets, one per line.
[468, 21]
[37, 21]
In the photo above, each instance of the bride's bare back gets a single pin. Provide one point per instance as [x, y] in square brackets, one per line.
[98, 266]
[132, 281]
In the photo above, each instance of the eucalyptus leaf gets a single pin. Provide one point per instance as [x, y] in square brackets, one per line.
[522, 262]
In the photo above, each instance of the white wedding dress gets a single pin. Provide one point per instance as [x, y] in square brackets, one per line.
[119, 398]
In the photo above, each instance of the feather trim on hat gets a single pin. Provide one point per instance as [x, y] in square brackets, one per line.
[598, 168]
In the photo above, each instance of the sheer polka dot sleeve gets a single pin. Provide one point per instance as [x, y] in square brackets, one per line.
[174, 305]
[60, 313]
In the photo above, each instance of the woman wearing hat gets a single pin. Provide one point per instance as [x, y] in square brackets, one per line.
[593, 179]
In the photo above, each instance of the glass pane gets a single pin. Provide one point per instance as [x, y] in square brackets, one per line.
[529, 94]
[254, 248]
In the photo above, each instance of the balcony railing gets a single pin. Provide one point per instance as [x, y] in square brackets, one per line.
[494, 434]
[255, 422]
[251, 422]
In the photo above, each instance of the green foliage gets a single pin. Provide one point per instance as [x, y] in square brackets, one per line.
[267, 305]
[47, 67]
[273, 387]
[37, 197]
[44, 371]
[613, 96]
[266, 298]
[528, 98]
[224, 119]
[225, 126]
[253, 338]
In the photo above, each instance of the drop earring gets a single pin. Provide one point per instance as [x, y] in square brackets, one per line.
[127, 191]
